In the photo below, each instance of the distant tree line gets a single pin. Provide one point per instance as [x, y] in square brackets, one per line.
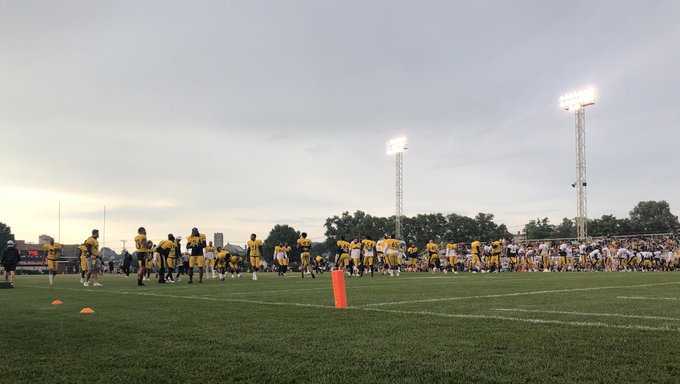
[646, 217]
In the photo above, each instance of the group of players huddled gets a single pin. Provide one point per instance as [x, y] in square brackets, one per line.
[625, 255]
[364, 256]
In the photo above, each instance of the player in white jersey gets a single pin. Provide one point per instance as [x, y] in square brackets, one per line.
[355, 256]
[380, 253]
[209, 253]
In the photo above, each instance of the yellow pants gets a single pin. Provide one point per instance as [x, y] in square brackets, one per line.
[475, 260]
[453, 260]
[368, 261]
[171, 262]
[305, 258]
[344, 260]
[255, 262]
[196, 261]
[51, 265]
[83, 264]
[494, 261]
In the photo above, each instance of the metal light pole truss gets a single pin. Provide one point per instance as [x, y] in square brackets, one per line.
[399, 194]
[576, 102]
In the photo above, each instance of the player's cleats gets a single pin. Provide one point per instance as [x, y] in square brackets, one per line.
[98, 284]
[82, 280]
[254, 276]
[86, 284]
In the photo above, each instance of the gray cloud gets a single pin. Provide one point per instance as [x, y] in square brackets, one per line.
[262, 111]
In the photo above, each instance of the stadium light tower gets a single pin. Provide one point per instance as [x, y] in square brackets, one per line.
[576, 102]
[397, 147]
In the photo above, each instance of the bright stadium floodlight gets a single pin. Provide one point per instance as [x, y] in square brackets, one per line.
[576, 101]
[397, 147]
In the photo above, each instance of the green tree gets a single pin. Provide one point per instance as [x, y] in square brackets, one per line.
[5, 236]
[653, 217]
[279, 234]
[539, 229]
[566, 229]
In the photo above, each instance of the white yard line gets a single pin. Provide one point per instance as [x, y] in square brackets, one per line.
[526, 293]
[589, 314]
[370, 309]
[524, 320]
[647, 298]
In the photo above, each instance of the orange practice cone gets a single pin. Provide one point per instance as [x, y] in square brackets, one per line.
[86, 311]
[57, 302]
[339, 293]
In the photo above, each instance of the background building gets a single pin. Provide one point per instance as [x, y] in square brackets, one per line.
[218, 239]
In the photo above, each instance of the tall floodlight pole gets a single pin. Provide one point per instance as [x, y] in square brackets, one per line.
[576, 102]
[396, 147]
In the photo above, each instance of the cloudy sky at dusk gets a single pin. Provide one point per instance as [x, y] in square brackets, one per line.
[234, 116]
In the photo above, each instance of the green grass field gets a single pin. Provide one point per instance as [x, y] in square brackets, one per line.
[535, 327]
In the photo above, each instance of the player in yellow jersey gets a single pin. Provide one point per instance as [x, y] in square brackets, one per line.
[168, 256]
[319, 264]
[234, 266]
[141, 252]
[209, 253]
[368, 253]
[304, 246]
[392, 247]
[221, 258]
[380, 253]
[94, 261]
[412, 257]
[53, 251]
[195, 245]
[83, 262]
[495, 262]
[451, 257]
[281, 253]
[433, 255]
[342, 254]
[254, 254]
[475, 260]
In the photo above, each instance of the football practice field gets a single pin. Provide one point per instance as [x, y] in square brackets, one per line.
[418, 328]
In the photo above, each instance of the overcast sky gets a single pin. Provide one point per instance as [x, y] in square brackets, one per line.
[236, 115]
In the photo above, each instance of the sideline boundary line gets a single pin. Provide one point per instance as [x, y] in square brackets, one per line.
[525, 293]
[593, 314]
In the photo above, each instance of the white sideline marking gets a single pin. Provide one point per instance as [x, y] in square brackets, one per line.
[621, 315]
[524, 320]
[526, 293]
[419, 313]
[647, 298]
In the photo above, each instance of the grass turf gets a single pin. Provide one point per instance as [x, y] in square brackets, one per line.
[536, 327]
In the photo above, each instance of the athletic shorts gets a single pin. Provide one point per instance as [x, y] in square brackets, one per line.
[171, 262]
[196, 261]
[83, 264]
[255, 261]
[51, 265]
[368, 261]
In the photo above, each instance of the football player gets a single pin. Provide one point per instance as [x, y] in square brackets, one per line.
[221, 262]
[475, 261]
[94, 262]
[452, 257]
[412, 256]
[392, 246]
[254, 253]
[355, 256]
[234, 267]
[53, 250]
[168, 255]
[342, 254]
[195, 244]
[209, 253]
[433, 255]
[368, 250]
[304, 246]
[495, 262]
[141, 245]
[281, 256]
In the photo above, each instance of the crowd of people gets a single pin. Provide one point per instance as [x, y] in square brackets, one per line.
[363, 257]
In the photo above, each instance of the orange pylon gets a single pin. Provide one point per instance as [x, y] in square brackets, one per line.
[57, 302]
[86, 311]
